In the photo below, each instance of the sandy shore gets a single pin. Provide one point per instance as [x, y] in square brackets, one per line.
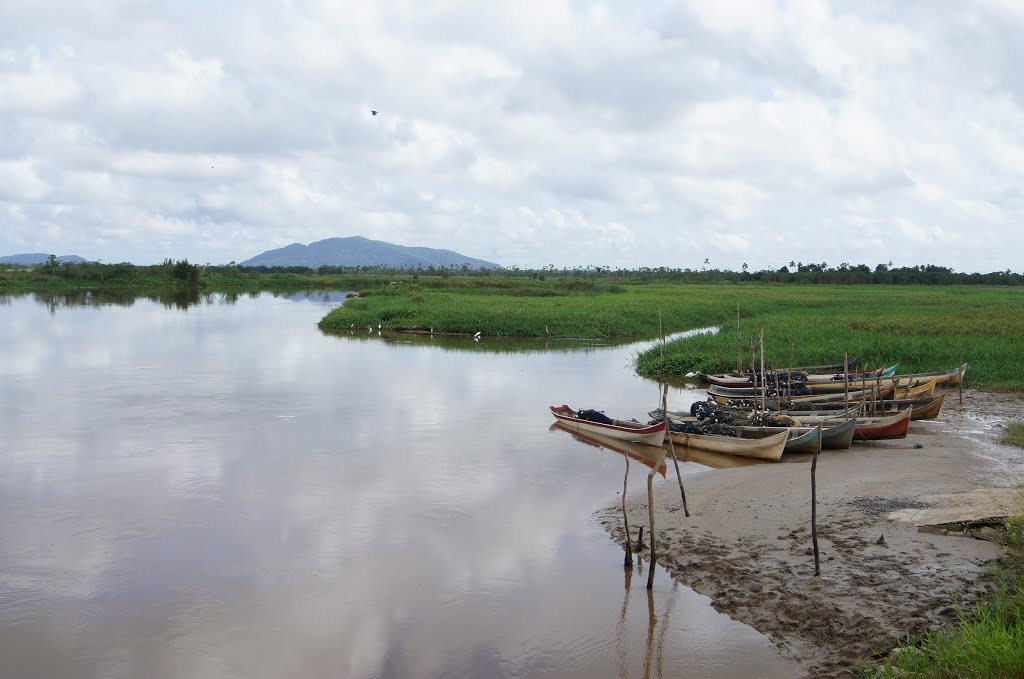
[747, 544]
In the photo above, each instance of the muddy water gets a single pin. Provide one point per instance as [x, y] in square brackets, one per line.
[220, 490]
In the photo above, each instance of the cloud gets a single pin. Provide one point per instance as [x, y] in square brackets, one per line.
[525, 133]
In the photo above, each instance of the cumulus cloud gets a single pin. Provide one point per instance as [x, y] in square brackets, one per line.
[526, 133]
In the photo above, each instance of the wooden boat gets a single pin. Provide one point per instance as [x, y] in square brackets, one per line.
[623, 430]
[800, 439]
[837, 435]
[768, 448]
[828, 369]
[854, 395]
[649, 456]
[892, 427]
[814, 389]
[921, 390]
[953, 376]
[926, 408]
[854, 377]
[874, 428]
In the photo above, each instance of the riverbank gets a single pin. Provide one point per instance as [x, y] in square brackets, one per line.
[747, 545]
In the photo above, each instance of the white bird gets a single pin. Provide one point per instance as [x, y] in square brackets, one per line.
[477, 335]
[378, 326]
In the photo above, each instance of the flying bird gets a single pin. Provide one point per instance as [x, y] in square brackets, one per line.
[373, 112]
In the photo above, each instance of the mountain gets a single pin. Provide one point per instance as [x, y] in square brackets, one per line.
[359, 251]
[38, 258]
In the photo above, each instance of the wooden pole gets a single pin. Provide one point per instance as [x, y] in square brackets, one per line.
[960, 382]
[628, 561]
[664, 414]
[739, 343]
[764, 384]
[792, 348]
[672, 449]
[778, 389]
[753, 362]
[846, 384]
[814, 506]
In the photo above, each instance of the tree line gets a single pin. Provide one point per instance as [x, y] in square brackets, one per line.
[795, 272]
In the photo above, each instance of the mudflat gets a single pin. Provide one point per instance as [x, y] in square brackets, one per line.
[747, 544]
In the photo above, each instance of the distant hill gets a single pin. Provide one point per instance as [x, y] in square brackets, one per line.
[359, 251]
[38, 258]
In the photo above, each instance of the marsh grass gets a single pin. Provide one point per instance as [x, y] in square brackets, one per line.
[923, 328]
[1014, 435]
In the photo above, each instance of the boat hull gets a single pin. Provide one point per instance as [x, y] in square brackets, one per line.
[768, 448]
[622, 430]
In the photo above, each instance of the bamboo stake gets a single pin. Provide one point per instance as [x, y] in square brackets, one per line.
[960, 381]
[792, 348]
[846, 384]
[672, 448]
[877, 396]
[753, 363]
[814, 506]
[739, 344]
[764, 389]
[628, 561]
[778, 389]
[664, 414]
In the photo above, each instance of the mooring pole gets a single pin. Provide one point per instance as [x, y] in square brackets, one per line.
[814, 505]
[846, 384]
[753, 362]
[960, 381]
[764, 381]
[628, 561]
[739, 338]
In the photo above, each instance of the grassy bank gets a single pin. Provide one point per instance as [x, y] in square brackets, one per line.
[1014, 435]
[921, 328]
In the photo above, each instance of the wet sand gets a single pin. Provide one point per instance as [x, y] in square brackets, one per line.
[747, 544]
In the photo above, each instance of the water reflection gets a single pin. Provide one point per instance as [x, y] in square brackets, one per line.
[170, 299]
[228, 492]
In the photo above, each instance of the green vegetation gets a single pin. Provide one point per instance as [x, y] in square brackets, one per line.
[985, 642]
[1014, 435]
[923, 328]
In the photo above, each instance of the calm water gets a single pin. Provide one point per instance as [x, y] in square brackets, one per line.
[224, 491]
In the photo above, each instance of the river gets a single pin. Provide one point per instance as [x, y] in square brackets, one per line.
[221, 490]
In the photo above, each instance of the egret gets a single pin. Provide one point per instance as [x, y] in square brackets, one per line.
[477, 335]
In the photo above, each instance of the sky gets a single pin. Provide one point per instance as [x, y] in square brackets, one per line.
[522, 132]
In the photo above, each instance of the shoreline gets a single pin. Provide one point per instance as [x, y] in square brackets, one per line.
[747, 544]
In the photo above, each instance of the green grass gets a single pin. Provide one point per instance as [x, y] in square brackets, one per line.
[1014, 435]
[923, 328]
